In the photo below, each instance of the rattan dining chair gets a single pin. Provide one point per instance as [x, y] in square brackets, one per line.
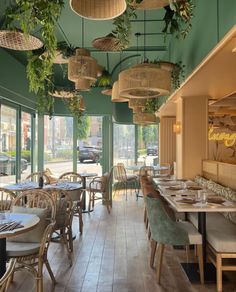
[64, 215]
[122, 180]
[6, 199]
[6, 278]
[78, 199]
[30, 249]
[99, 189]
[36, 175]
[165, 231]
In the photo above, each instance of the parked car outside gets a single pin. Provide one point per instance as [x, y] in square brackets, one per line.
[152, 150]
[89, 153]
[8, 164]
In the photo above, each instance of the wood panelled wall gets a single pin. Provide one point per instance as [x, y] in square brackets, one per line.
[167, 141]
[223, 173]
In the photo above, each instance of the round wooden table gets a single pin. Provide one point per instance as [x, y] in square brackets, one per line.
[28, 222]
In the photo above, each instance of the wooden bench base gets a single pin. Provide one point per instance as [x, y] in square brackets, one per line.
[217, 258]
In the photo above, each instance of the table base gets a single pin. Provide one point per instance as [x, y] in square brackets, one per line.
[192, 272]
[3, 256]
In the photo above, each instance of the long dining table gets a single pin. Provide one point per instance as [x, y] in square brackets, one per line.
[185, 200]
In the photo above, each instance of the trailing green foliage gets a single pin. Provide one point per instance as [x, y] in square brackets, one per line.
[178, 18]
[105, 80]
[122, 31]
[65, 49]
[177, 74]
[151, 105]
[74, 105]
[30, 16]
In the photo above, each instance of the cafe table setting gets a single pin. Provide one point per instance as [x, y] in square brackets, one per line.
[12, 224]
[189, 197]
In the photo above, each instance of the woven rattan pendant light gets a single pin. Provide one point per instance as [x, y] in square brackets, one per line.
[137, 102]
[82, 66]
[115, 97]
[137, 110]
[145, 81]
[98, 9]
[16, 40]
[82, 84]
[144, 118]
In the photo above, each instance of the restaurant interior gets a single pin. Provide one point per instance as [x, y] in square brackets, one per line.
[118, 145]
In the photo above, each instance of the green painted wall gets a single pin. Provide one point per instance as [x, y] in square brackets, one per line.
[212, 20]
[13, 82]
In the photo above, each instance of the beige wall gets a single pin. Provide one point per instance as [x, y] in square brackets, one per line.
[167, 140]
[192, 142]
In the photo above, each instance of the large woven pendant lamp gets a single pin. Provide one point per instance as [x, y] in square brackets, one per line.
[82, 84]
[82, 66]
[115, 97]
[145, 81]
[98, 9]
[144, 118]
[137, 102]
[137, 110]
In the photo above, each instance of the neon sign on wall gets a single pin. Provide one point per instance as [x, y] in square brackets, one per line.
[229, 139]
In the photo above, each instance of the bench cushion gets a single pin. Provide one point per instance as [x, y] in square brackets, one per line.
[225, 192]
[221, 233]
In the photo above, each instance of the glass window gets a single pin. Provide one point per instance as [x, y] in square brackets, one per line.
[89, 145]
[124, 144]
[7, 145]
[148, 145]
[58, 144]
[26, 142]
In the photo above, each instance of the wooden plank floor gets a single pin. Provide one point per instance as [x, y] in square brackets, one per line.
[112, 256]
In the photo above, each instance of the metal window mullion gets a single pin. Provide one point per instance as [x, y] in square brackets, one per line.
[18, 144]
[33, 144]
[75, 134]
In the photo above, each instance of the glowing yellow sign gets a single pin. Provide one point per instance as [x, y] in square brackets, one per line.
[228, 138]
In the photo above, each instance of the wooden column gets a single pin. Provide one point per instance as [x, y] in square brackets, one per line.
[167, 143]
[192, 141]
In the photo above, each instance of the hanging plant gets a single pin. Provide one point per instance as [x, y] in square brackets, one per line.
[122, 31]
[151, 105]
[178, 18]
[105, 80]
[30, 16]
[177, 71]
[177, 74]
[74, 105]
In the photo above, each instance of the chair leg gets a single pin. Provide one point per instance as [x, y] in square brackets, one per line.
[187, 249]
[219, 272]
[39, 279]
[149, 233]
[200, 261]
[160, 252]
[50, 272]
[145, 215]
[80, 220]
[153, 252]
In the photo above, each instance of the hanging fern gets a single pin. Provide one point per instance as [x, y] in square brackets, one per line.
[178, 18]
[29, 16]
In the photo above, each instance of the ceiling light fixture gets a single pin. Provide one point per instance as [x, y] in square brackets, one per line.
[98, 9]
[116, 97]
